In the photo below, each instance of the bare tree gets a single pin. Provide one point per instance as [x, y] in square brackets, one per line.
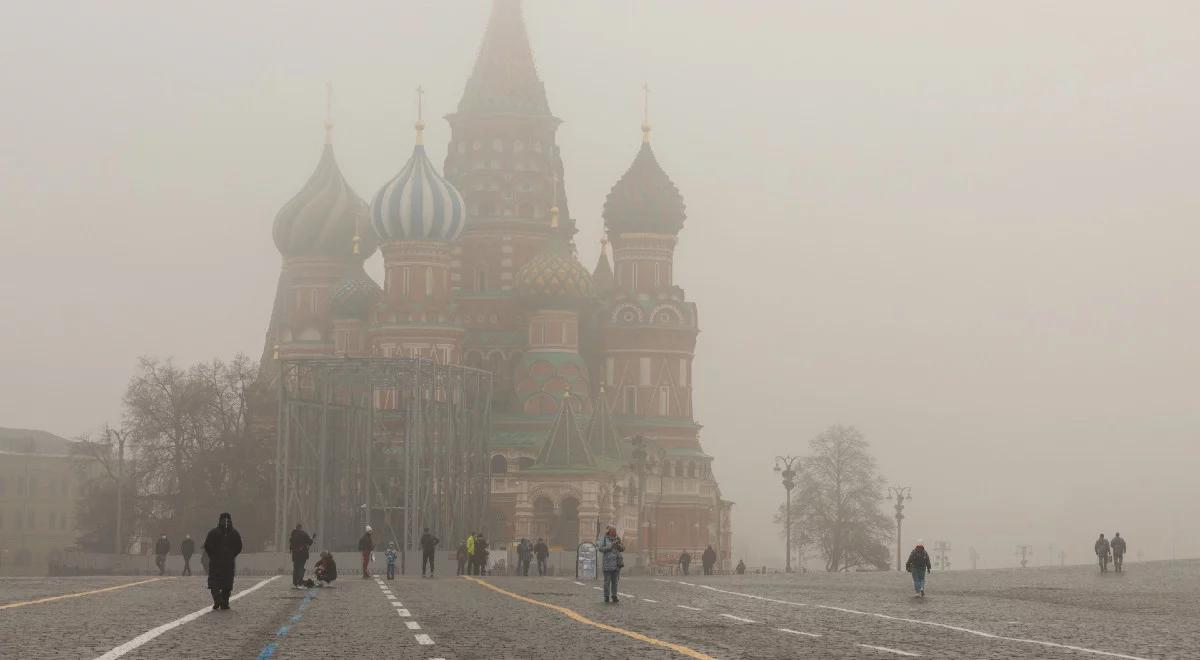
[839, 501]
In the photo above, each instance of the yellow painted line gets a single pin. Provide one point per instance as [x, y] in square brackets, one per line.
[82, 593]
[576, 616]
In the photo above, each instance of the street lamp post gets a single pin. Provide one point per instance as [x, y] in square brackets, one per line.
[786, 466]
[639, 467]
[901, 493]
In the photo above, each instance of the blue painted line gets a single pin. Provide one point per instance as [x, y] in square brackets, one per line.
[269, 649]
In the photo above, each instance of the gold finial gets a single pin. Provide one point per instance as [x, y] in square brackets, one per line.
[420, 125]
[275, 352]
[645, 112]
[328, 113]
[554, 208]
[357, 242]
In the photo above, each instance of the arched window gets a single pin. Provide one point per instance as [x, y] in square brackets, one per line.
[499, 464]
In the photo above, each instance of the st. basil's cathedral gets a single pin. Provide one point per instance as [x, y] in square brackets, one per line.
[592, 419]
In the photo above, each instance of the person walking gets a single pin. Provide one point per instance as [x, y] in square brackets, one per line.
[709, 559]
[461, 556]
[918, 564]
[223, 544]
[541, 551]
[429, 544]
[524, 556]
[471, 553]
[389, 556]
[685, 560]
[299, 542]
[366, 545]
[1102, 549]
[611, 547]
[1118, 552]
[187, 548]
[161, 548]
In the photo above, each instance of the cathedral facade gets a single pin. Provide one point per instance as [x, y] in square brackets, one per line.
[592, 418]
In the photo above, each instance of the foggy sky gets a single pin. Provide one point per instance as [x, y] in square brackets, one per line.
[970, 229]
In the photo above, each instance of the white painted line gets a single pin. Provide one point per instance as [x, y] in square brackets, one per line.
[597, 588]
[424, 640]
[944, 626]
[694, 609]
[738, 618]
[626, 595]
[581, 584]
[660, 580]
[403, 612]
[390, 597]
[396, 603]
[887, 650]
[796, 632]
[649, 601]
[141, 639]
[687, 583]
[412, 625]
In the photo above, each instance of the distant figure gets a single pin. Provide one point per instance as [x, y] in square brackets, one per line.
[299, 542]
[1102, 549]
[685, 560]
[187, 548]
[741, 567]
[366, 545]
[429, 544]
[918, 564]
[223, 544]
[541, 551]
[611, 547]
[481, 554]
[161, 548]
[524, 556]
[325, 570]
[709, 559]
[1118, 551]
[389, 556]
[461, 556]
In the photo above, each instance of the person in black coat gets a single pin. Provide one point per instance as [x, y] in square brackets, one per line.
[541, 552]
[223, 544]
[299, 543]
[429, 544]
[708, 559]
[685, 560]
[161, 548]
[187, 548]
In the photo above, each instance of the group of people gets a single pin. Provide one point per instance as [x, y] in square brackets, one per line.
[708, 559]
[472, 555]
[1113, 551]
[526, 552]
[187, 548]
[325, 570]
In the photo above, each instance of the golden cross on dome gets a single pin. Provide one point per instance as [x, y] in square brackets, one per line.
[645, 112]
[329, 112]
[420, 125]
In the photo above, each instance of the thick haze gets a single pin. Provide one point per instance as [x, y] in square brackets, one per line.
[969, 229]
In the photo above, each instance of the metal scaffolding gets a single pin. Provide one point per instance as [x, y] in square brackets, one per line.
[396, 443]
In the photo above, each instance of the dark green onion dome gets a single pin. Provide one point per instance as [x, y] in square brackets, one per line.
[354, 296]
[555, 273]
[644, 199]
[326, 218]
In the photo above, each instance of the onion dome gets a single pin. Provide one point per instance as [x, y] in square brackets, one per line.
[326, 218]
[354, 296]
[644, 199]
[418, 204]
[555, 272]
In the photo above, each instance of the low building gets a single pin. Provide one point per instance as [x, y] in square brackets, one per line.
[38, 485]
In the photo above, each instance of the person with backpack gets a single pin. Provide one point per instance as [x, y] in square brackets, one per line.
[611, 547]
[919, 564]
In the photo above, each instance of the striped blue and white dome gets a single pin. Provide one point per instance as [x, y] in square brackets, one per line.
[418, 204]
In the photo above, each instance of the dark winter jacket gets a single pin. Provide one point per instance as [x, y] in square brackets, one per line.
[918, 560]
[162, 546]
[541, 551]
[223, 544]
[1118, 546]
[611, 547]
[709, 557]
[187, 548]
[299, 543]
[326, 569]
[685, 558]
[366, 543]
[429, 542]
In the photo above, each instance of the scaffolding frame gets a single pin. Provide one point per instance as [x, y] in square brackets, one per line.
[395, 443]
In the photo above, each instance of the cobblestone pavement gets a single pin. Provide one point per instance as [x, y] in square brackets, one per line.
[1148, 612]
